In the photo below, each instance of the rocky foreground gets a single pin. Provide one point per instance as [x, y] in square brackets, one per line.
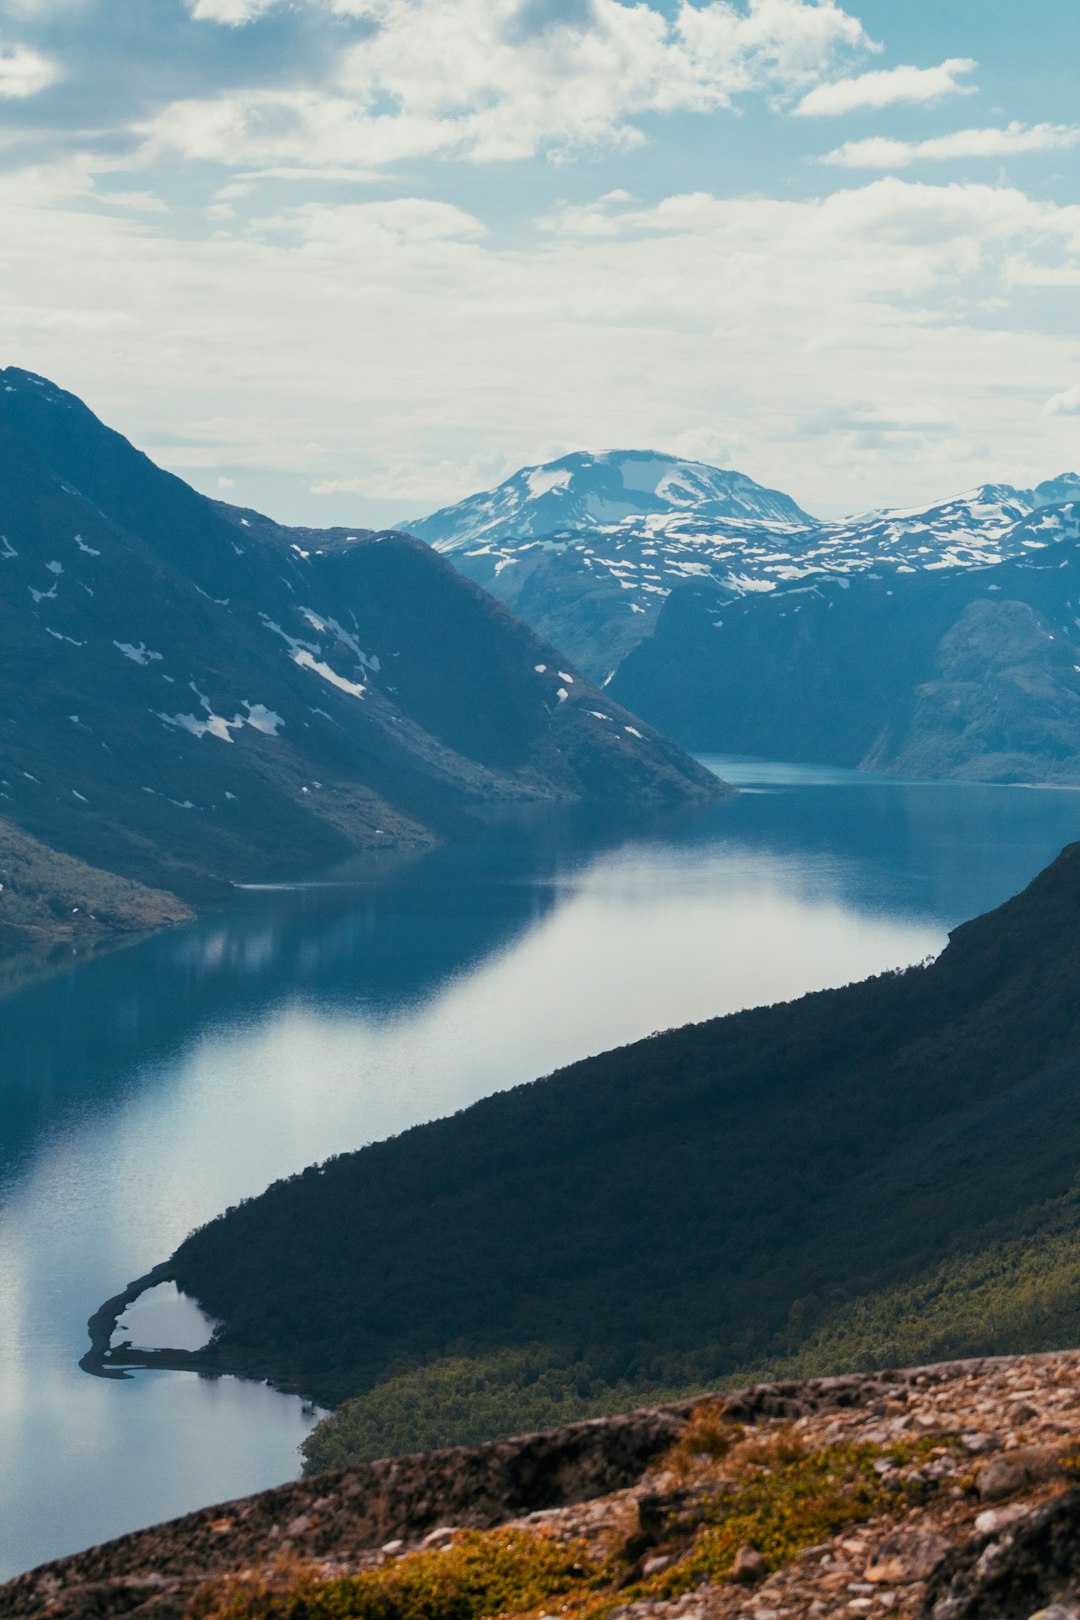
[945, 1493]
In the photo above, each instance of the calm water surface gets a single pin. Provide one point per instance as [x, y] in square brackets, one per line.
[143, 1092]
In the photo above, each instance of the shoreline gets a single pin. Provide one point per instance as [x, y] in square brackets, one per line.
[102, 1360]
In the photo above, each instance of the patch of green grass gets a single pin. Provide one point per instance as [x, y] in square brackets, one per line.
[773, 1494]
[482, 1573]
[459, 1401]
[45, 895]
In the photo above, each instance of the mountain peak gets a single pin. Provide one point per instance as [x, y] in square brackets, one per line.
[585, 490]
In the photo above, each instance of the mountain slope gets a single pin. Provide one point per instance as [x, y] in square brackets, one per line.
[584, 491]
[688, 1205]
[193, 695]
[595, 580]
[971, 672]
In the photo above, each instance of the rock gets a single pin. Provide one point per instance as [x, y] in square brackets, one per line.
[1032, 1565]
[656, 1566]
[907, 1555]
[749, 1567]
[1011, 1471]
[976, 1444]
[441, 1536]
[991, 1520]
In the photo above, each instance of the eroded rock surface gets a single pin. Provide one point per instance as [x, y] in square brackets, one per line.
[960, 1503]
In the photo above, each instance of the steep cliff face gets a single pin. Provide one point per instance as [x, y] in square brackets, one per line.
[941, 1493]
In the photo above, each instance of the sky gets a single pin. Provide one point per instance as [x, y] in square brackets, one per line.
[348, 261]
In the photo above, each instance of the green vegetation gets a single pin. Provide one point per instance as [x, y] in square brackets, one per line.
[456, 1401]
[877, 1174]
[778, 1497]
[46, 896]
[1013, 1296]
[482, 1573]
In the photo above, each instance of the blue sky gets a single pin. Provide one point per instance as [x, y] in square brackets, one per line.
[348, 260]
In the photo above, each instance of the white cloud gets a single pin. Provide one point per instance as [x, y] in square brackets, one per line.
[468, 78]
[24, 72]
[1021, 270]
[1066, 403]
[880, 152]
[144, 202]
[398, 347]
[338, 486]
[231, 12]
[887, 87]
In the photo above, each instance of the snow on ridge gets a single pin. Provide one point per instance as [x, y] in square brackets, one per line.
[546, 480]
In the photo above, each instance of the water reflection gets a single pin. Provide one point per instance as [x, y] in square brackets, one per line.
[142, 1092]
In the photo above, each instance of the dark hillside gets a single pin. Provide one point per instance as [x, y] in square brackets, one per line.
[673, 1210]
[192, 695]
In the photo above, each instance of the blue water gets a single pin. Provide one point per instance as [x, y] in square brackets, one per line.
[144, 1091]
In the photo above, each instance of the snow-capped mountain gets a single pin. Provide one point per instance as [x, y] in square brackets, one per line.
[596, 590]
[951, 669]
[939, 639]
[189, 693]
[584, 492]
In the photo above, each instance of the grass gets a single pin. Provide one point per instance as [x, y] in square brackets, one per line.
[46, 896]
[773, 1494]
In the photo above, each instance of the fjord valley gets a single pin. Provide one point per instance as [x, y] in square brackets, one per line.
[194, 696]
[937, 641]
[147, 1090]
[866, 1175]
[246, 728]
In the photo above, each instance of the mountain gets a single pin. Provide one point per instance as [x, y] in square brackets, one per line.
[194, 695]
[951, 671]
[594, 579]
[895, 1159]
[583, 491]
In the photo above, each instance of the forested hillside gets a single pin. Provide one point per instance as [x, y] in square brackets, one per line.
[709, 1199]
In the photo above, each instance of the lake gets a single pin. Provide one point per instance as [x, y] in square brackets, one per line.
[143, 1091]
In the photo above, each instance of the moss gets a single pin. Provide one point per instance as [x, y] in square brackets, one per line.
[481, 1573]
[785, 1498]
[773, 1494]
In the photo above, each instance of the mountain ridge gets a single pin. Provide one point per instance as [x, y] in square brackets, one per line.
[194, 695]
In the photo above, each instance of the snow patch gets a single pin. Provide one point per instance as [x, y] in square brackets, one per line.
[214, 724]
[307, 661]
[140, 654]
[82, 545]
[543, 480]
[263, 719]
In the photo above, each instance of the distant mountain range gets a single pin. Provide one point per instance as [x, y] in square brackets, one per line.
[932, 655]
[194, 695]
